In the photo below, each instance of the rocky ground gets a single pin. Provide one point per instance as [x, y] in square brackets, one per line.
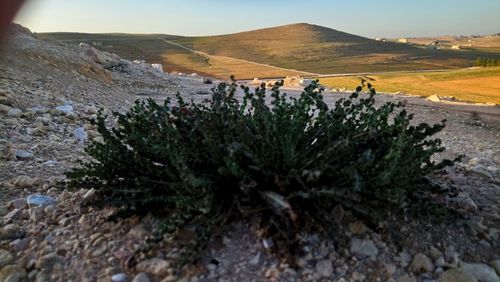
[48, 93]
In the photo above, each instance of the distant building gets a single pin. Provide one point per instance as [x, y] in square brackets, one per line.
[403, 40]
[97, 43]
[380, 39]
[455, 47]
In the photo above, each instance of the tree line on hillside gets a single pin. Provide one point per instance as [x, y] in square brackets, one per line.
[480, 62]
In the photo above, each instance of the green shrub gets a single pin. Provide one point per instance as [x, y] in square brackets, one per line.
[290, 161]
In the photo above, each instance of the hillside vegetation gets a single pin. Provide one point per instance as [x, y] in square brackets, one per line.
[302, 47]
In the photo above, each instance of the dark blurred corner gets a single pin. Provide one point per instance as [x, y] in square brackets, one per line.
[8, 10]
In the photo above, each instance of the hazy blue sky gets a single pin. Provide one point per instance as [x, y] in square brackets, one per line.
[381, 18]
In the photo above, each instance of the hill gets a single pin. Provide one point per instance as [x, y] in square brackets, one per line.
[278, 51]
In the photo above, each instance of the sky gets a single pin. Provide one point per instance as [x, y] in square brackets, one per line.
[369, 18]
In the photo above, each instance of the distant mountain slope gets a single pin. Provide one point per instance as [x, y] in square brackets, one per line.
[294, 48]
[319, 49]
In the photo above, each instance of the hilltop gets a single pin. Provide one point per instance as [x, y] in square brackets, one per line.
[276, 52]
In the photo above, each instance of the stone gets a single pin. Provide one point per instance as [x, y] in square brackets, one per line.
[24, 181]
[49, 260]
[13, 215]
[90, 110]
[80, 134]
[324, 268]
[38, 200]
[435, 253]
[66, 109]
[11, 121]
[407, 278]
[267, 243]
[357, 276]
[12, 273]
[154, 266]
[440, 262]
[421, 263]
[456, 275]
[4, 108]
[23, 155]
[45, 120]
[120, 277]
[481, 272]
[255, 260]
[19, 245]
[357, 228]
[141, 277]
[434, 98]
[6, 258]
[496, 265]
[11, 232]
[364, 247]
[139, 231]
[14, 113]
[36, 214]
[390, 269]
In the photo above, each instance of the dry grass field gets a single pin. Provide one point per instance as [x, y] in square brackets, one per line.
[480, 85]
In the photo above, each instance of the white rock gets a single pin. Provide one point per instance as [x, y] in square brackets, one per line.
[80, 134]
[120, 277]
[65, 109]
[39, 200]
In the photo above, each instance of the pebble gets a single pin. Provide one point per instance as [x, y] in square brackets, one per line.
[154, 266]
[23, 155]
[434, 252]
[120, 277]
[421, 263]
[6, 258]
[407, 278]
[12, 273]
[456, 275]
[141, 277]
[11, 232]
[65, 109]
[363, 247]
[15, 113]
[255, 260]
[24, 181]
[496, 265]
[19, 203]
[4, 108]
[13, 215]
[324, 268]
[481, 272]
[19, 245]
